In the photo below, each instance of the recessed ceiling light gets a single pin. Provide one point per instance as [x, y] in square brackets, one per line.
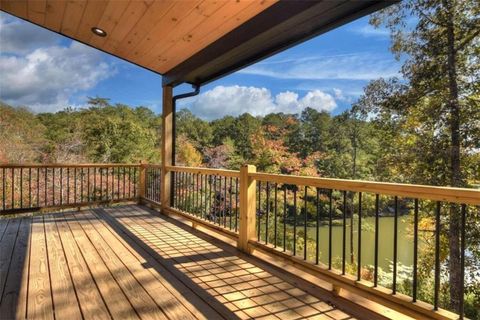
[99, 32]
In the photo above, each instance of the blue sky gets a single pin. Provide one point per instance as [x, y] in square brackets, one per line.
[48, 72]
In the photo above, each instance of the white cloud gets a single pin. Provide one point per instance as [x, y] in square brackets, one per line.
[234, 100]
[361, 66]
[370, 31]
[20, 37]
[44, 78]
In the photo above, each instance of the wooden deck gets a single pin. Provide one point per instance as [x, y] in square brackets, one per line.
[128, 262]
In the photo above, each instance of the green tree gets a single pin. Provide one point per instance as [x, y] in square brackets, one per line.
[442, 74]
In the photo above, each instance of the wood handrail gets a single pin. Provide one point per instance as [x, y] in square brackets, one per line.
[446, 194]
[69, 165]
[197, 170]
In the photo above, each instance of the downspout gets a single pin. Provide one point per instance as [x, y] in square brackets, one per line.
[195, 92]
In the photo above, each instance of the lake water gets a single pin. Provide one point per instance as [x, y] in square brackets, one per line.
[385, 243]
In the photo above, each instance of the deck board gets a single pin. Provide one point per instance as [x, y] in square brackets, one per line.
[126, 262]
[89, 298]
[13, 298]
[114, 298]
[64, 297]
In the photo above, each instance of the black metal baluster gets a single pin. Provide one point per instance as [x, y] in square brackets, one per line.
[317, 231]
[124, 175]
[375, 274]
[225, 202]
[218, 197]
[45, 185]
[21, 187]
[344, 231]
[462, 262]
[75, 185]
[216, 202]
[198, 187]
[29, 187]
[107, 185]
[68, 185]
[267, 207]
[208, 209]
[38, 187]
[437, 257]
[275, 216]
[305, 223]
[359, 258]
[82, 178]
[199, 195]
[415, 252]
[236, 204]
[184, 190]
[113, 183]
[135, 182]
[295, 221]
[157, 185]
[61, 185]
[191, 195]
[88, 184]
[177, 190]
[4, 178]
[94, 183]
[101, 183]
[230, 205]
[53, 186]
[330, 217]
[259, 212]
[118, 182]
[13, 188]
[395, 246]
[284, 218]
[207, 197]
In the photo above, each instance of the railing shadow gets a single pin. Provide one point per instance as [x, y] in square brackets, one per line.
[168, 264]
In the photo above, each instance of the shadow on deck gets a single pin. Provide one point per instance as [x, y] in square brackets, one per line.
[129, 262]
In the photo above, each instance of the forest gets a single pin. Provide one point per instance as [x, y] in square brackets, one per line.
[422, 127]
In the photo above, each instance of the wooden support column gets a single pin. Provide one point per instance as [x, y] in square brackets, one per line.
[141, 182]
[247, 207]
[167, 143]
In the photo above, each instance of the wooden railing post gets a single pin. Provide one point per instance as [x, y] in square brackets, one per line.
[167, 145]
[247, 207]
[141, 181]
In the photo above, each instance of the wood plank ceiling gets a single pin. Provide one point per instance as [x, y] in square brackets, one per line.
[157, 35]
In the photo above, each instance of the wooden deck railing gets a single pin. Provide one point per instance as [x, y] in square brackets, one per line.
[284, 216]
[317, 225]
[32, 187]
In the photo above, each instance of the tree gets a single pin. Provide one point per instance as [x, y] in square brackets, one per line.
[197, 130]
[442, 72]
[21, 135]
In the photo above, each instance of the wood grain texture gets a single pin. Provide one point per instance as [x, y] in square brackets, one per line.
[40, 304]
[63, 291]
[89, 298]
[11, 266]
[143, 32]
[130, 262]
[115, 300]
